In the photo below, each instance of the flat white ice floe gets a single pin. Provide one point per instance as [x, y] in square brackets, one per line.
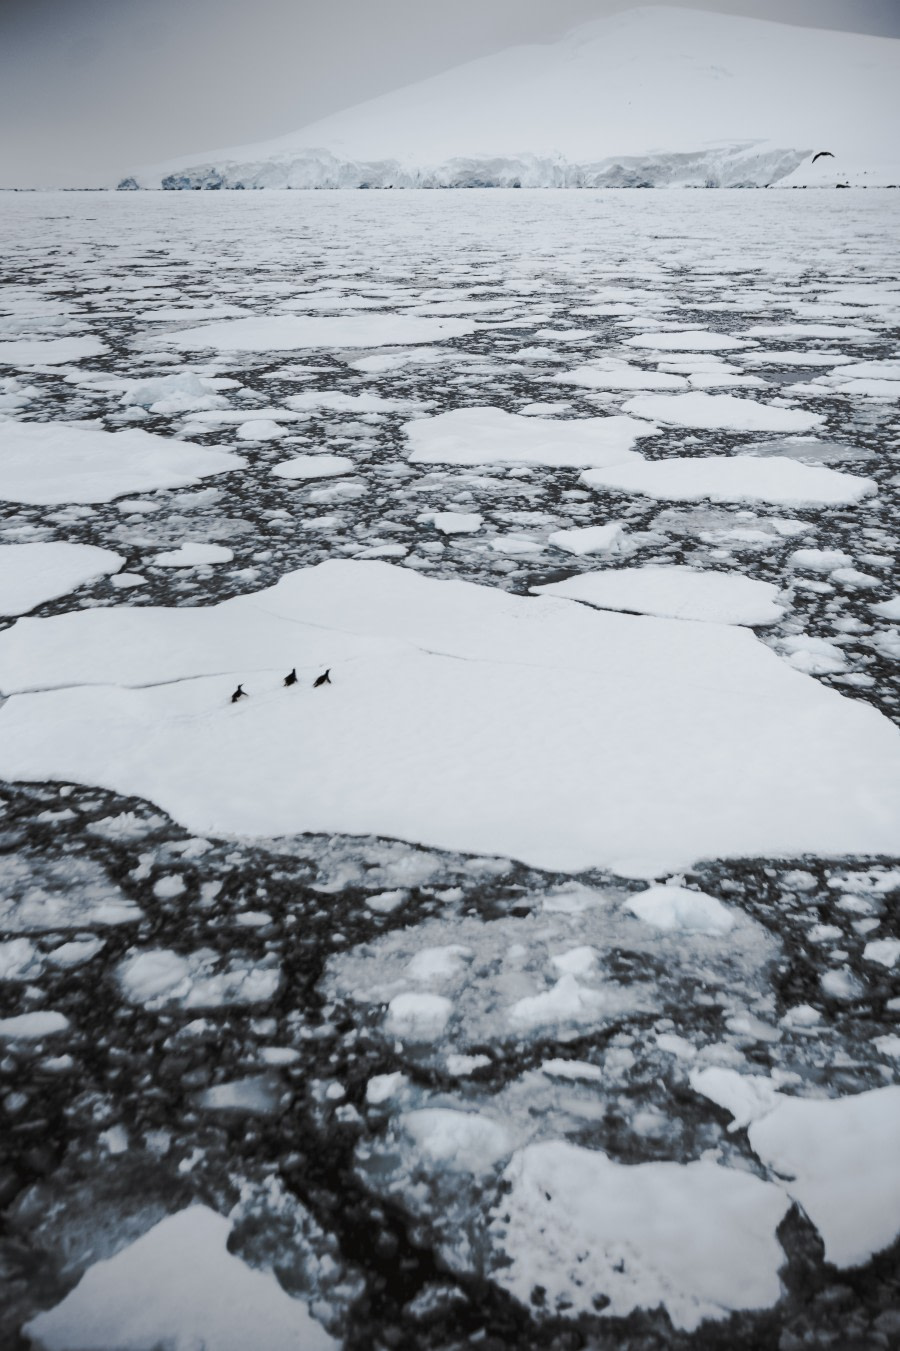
[49, 351]
[726, 412]
[619, 375]
[590, 539]
[289, 332]
[839, 1158]
[313, 466]
[675, 591]
[31, 574]
[192, 554]
[178, 1286]
[695, 1237]
[48, 463]
[675, 741]
[158, 978]
[678, 908]
[733, 478]
[489, 435]
[691, 340]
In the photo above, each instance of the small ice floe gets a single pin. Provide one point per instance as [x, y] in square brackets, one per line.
[813, 656]
[257, 1095]
[337, 402]
[619, 375]
[692, 340]
[418, 1017]
[168, 395]
[748, 1097]
[735, 478]
[674, 591]
[457, 522]
[385, 1087]
[720, 412]
[20, 960]
[313, 466]
[677, 908]
[884, 951]
[491, 436]
[48, 463]
[838, 1157]
[178, 1286]
[287, 332]
[591, 539]
[158, 978]
[50, 351]
[31, 574]
[192, 554]
[33, 1026]
[259, 429]
[462, 1141]
[579, 1233]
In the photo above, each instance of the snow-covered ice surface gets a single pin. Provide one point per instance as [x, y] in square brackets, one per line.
[534, 983]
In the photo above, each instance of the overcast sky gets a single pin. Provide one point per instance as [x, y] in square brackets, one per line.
[91, 88]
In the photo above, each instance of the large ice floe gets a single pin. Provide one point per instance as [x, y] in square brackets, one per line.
[178, 1286]
[33, 573]
[674, 591]
[733, 478]
[706, 744]
[288, 332]
[491, 436]
[48, 463]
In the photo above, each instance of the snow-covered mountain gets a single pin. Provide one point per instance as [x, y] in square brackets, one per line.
[651, 97]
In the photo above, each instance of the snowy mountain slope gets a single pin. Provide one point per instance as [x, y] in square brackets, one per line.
[650, 97]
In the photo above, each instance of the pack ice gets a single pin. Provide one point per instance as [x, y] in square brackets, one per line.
[532, 727]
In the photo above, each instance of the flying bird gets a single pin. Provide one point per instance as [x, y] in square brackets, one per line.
[292, 678]
[324, 679]
[823, 154]
[240, 693]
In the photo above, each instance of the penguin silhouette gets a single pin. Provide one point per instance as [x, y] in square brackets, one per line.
[240, 693]
[292, 678]
[324, 679]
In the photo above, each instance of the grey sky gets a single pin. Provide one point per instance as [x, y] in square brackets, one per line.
[89, 88]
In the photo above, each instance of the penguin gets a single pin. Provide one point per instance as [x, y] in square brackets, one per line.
[240, 693]
[292, 678]
[324, 679]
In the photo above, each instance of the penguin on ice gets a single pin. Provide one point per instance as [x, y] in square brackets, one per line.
[292, 678]
[240, 693]
[324, 679]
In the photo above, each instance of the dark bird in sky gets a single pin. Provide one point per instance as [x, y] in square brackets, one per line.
[292, 678]
[240, 693]
[823, 154]
[324, 679]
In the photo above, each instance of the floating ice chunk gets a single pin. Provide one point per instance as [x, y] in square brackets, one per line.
[383, 1087]
[566, 1002]
[458, 522]
[19, 960]
[257, 1094]
[158, 977]
[576, 962]
[590, 539]
[49, 352]
[515, 545]
[192, 555]
[463, 1065]
[490, 436]
[314, 466]
[619, 375]
[809, 331]
[885, 951]
[421, 1017]
[33, 1026]
[888, 609]
[76, 952]
[839, 1158]
[595, 1234]
[814, 656]
[182, 392]
[746, 1096]
[49, 463]
[734, 478]
[462, 1141]
[818, 560]
[579, 1070]
[438, 963]
[689, 341]
[338, 402]
[675, 591]
[287, 332]
[720, 411]
[31, 574]
[680, 909]
[178, 1286]
[811, 358]
[259, 429]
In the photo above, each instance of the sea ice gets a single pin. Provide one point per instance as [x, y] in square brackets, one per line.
[675, 591]
[49, 352]
[590, 539]
[692, 340]
[48, 463]
[839, 1158]
[178, 1286]
[714, 412]
[596, 1235]
[313, 466]
[677, 908]
[779, 764]
[736, 478]
[288, 332]
[490, 436]
[192, 554]
[31, 574]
